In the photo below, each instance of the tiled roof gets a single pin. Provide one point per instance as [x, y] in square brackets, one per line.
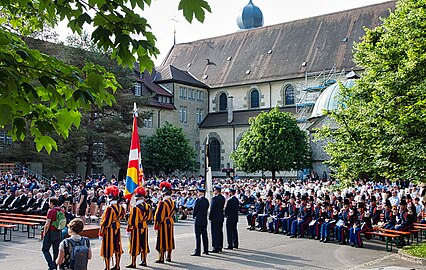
[278, 52]
[170, 73]
[240, 118]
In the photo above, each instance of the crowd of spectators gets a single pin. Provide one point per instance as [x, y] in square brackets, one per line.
[270, 205]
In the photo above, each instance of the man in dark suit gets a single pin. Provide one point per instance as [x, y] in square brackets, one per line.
[231, 213]
[30, 201]
[216, 218]
[200, 215]
[36, 204]
[8, 199]
[19, 201]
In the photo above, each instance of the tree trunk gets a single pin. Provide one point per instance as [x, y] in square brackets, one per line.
[90, 143]
[273, 174]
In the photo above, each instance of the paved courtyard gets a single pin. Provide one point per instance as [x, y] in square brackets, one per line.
[257, 251]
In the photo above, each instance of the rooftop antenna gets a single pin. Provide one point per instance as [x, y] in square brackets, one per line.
[174, 29]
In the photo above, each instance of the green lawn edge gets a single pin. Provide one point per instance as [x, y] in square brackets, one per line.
[417, 250]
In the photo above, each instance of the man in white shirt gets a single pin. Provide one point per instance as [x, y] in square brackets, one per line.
[394, 200]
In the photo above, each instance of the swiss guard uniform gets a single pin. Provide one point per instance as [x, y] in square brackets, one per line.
[164, 224]
[110, 229]
[137, 226]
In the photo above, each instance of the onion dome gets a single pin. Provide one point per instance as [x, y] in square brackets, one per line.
[250, 17]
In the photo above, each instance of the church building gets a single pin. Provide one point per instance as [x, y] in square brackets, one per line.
[212, 87]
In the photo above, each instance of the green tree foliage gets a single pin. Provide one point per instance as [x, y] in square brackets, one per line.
[40, 94]
[168, 150]
[273, 143]
[383, 125]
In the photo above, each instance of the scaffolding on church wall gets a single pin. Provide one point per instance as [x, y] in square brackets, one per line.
[309, 91]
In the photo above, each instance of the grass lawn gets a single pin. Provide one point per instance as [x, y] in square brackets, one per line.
[418, 250]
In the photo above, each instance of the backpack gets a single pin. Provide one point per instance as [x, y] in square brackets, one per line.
[78, 252]
[60, 221]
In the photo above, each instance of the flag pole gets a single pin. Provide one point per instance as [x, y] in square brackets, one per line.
[208, 172]
[134, 176]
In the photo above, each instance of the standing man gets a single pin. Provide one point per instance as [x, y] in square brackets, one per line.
[138, 228]
[231, 213]
[216, 218]
[51, 235]
[82, 202]
[200, 215]
[164, 224]
[110, 229]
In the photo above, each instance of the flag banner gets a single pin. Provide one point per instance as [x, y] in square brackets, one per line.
[208, 177]
[135, 175]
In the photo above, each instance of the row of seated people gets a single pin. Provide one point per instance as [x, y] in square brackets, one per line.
[21, 202]
[317, 220]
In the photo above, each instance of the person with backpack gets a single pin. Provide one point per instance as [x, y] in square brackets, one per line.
[137, 228]
[75, 251]
[109, 232]
[55, 222]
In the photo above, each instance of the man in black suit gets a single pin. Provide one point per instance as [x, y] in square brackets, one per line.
[216, 218]
[8, 199]
[19, 201]
[30, 201]
[200, 215]
[231, 212]
[36, 204]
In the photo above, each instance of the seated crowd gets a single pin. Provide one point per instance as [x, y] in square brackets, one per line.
[310, 208]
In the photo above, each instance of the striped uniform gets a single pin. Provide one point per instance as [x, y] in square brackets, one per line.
[163, 222]
[138, 228]
[110, 230]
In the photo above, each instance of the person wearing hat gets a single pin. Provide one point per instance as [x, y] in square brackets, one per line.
[200, 222]
[344, 222]
[330, 218]
[389, 219]
[259, 207]
[403, 221]
[362, 224]
[267, 212]
[137, 228]
[299, 226]
[109, 231]
[231, 212]
[290, 215]
[216, 218]
[277, 215]
[164, 224]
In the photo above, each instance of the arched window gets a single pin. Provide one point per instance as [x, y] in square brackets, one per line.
[289, 95]
[223, 102]
[214, 154]
[254, 99]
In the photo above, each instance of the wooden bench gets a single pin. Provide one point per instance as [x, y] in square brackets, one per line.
[23, 215]
[90, 231]
[39, 220]
[31, 226]
[400, 233]
[7, 228]
[387, 236]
